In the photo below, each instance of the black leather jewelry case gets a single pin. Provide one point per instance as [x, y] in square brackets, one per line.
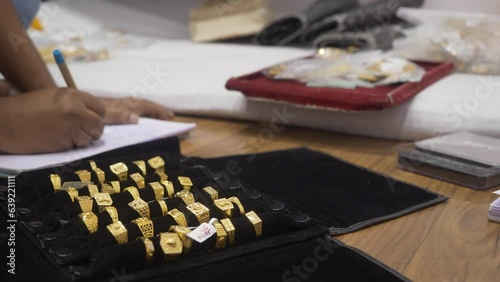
[301, 196]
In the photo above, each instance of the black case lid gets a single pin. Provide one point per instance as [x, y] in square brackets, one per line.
[338, 195]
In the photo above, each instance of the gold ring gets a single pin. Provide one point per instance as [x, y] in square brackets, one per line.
[238, 203]
[185, 182]
[86, 203]
[158, 189]
[163, 207]
[149, 247]
[56, 182]
[119, 232]
[90, 220]
[145, 225]
[103, 200]
[183, 231]
[107, 188]
[157, 163]
[230, 230]
[220, 242]
[161, 175]
[201, 212]
[116, 186]
[120, 169]
[186, 196]
[225, 206]
[211, 192]
[138, 179]
[256, 222]
[113, 213]
[84, 175]
[92, 190]
[101, 176]
[72, 192]
[178, 216]
[93, 165]
[171, 245]
[142, 166]
[141, 207]
[133, 191]
[170, 188]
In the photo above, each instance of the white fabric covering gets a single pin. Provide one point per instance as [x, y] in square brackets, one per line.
[193, 76]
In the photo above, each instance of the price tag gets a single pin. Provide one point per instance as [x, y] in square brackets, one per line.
[202, 232]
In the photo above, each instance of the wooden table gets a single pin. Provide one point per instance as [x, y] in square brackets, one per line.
[448, 242]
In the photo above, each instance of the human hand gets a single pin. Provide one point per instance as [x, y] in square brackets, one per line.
[50, 120]
[128, 110]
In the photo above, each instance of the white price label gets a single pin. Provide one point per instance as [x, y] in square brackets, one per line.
[202, 232]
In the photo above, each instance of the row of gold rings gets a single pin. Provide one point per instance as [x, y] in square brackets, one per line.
[183, 232]
[256, 222]
[157, 163]
[141, 207]
[214, 195]
[90, 221]
[149, 248]
[230, 230]
[138, 179]
[178, 216]
[201, 212]
[119, 232]
[120, 169]
[113, 187]
[171, 245]
[145, 225]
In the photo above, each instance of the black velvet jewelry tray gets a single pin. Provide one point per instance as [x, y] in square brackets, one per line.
[330, 195]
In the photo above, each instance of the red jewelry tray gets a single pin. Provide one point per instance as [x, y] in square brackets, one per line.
[257, 85]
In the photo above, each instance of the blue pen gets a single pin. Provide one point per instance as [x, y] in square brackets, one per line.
[61, 63]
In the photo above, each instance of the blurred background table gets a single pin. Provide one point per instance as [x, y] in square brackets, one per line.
[448, 242]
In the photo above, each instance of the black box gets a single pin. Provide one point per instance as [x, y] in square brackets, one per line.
[302, 197]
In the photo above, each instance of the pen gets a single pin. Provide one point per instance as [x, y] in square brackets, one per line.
[58, 56]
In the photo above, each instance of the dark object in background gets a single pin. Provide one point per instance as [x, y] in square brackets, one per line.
[334, 16]
[362, 19]
[380, 38]
[287, 29]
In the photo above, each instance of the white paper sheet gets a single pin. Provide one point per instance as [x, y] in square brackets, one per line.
[114, 136]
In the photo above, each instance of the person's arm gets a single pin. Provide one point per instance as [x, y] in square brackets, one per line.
[20, 62]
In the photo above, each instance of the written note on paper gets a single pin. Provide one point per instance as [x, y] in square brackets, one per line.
[114, 136]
